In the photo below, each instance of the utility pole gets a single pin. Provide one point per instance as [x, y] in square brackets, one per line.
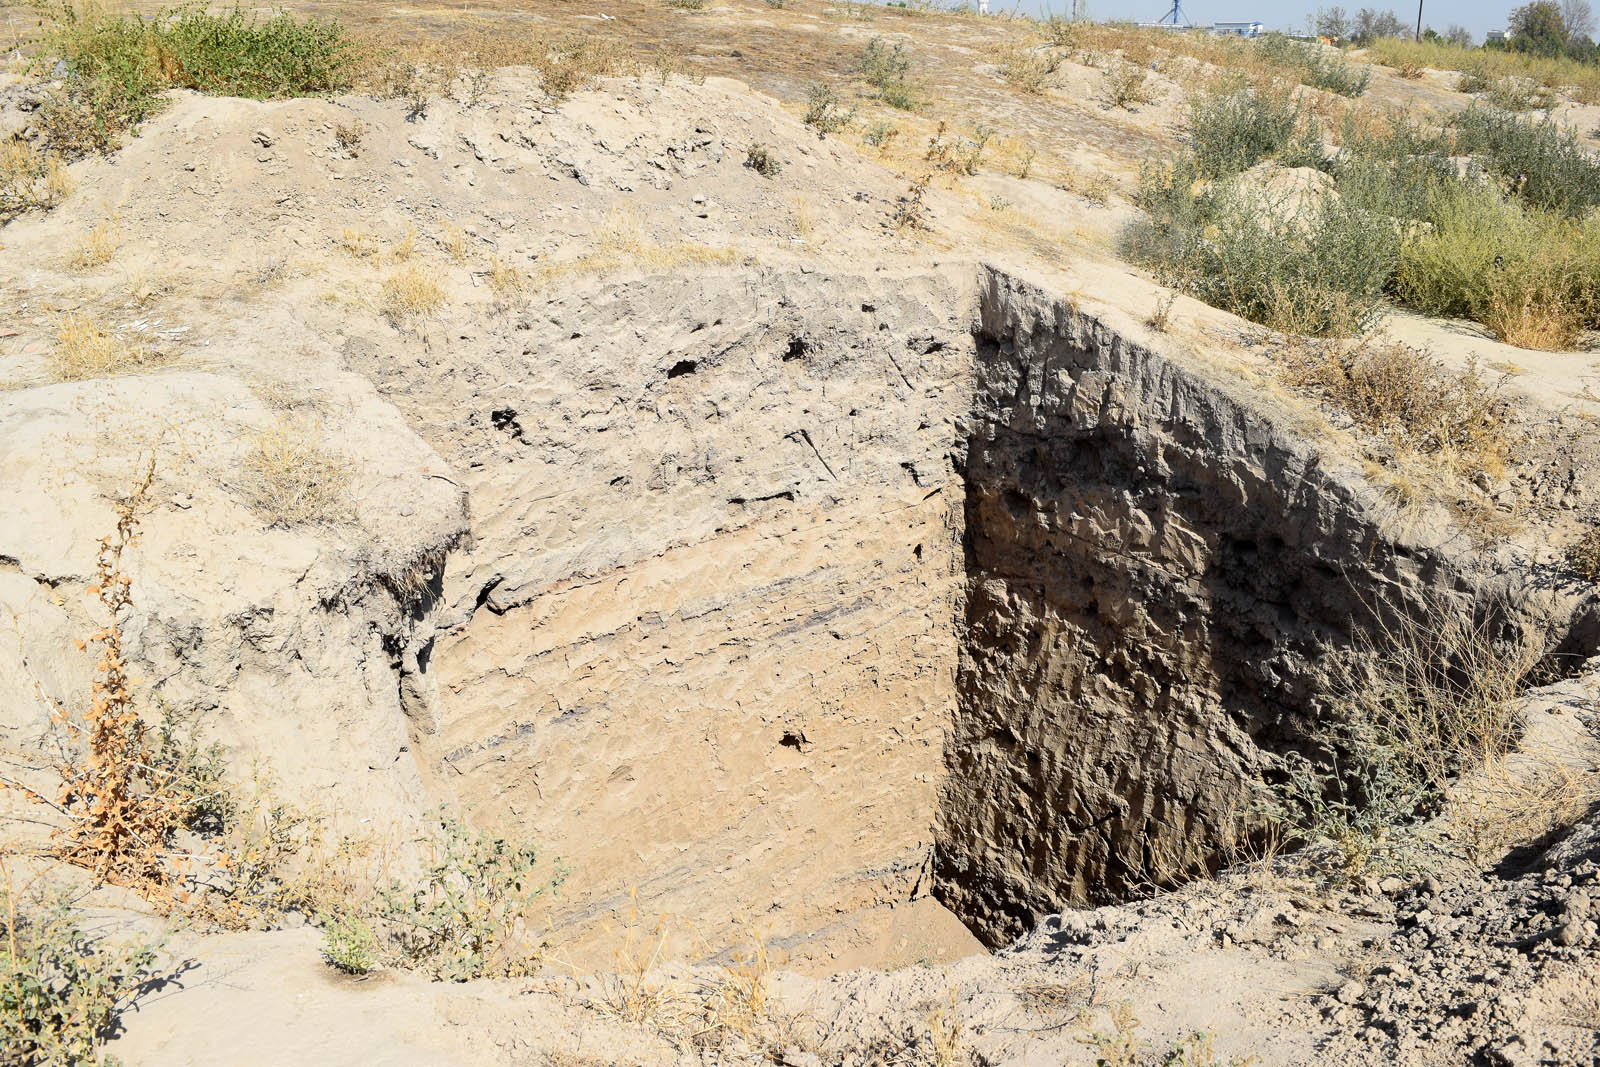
[1419, 20]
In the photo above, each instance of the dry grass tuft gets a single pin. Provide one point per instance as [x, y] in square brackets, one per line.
[1458, 420]
[85, 349]
[29, 179]
[1584, 555]
[454, 241]
[575, 62]
[629, 992]
[623, 245]
[1027, 69]
[946, 1036]
[506, 281]
[406, 247]
[1533, 317]
[1511, 802]
[95, 248]
[290, 479]
[410, 294]
[358, 245]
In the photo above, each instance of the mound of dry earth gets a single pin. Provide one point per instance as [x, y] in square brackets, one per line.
[769, 563]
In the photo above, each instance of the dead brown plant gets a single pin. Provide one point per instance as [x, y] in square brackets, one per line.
[290, 478]
[85, 349]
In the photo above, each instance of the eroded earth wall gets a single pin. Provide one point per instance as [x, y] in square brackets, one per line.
[1156, 571]
[704, 637]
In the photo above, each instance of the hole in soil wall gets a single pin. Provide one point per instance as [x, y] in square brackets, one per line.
[1036, 604]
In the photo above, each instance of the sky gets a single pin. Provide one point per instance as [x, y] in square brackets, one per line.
[1476, 15]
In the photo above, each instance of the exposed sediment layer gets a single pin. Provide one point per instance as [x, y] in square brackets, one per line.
[781, 595]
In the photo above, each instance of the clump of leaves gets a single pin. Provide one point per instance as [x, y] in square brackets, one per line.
[825, 113]
[464, 917]
[763, 160]
[889, 71]
[1584, 555]
[348, 942]
[60, 989]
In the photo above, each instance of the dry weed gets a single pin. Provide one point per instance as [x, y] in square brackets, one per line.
[1459, 420]
[575, 62]
[1510, 802]
[506, 281]
[30, 179]
[118, 814]
[1122, 1047]
[290, 479]
[454, 241]
[410, 294]
[358, 245]
[85, 349]
[95, 248]
[1584, 555]
[1542, 319]
[1421, 699]
[1096, 187]
[946, 1036]
[1162, 314]
[1027, 69]
[1127, 86]
[630, 993]
[347, 136]
[406, 247]
[623, 245]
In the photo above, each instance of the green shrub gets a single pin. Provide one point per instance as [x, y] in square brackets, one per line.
[1519, 94]
[825, 113]
[881, 65]
[889, 71]
[463, 918]
[1316, 66]
[348, 942]
[1416, 703]
[1319, 271]
[1541, 161]
[1236, 126]
[60, 989]
[118, 64]
[761, 159]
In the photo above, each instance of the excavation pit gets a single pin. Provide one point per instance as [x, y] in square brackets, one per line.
[793, 600]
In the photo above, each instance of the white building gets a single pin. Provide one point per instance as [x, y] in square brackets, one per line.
[1238, 29]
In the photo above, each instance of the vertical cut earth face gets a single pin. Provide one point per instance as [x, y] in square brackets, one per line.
[1154, 573]
[792, 595]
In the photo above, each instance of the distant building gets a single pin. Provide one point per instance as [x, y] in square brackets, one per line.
[1238, 29]
[1497, 37]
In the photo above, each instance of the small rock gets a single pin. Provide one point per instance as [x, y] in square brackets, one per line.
[1350, 992]
[1571, 933]
[264, 137]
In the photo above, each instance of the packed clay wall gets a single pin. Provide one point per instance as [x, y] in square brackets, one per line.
[702, 642]
[1156, 572]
